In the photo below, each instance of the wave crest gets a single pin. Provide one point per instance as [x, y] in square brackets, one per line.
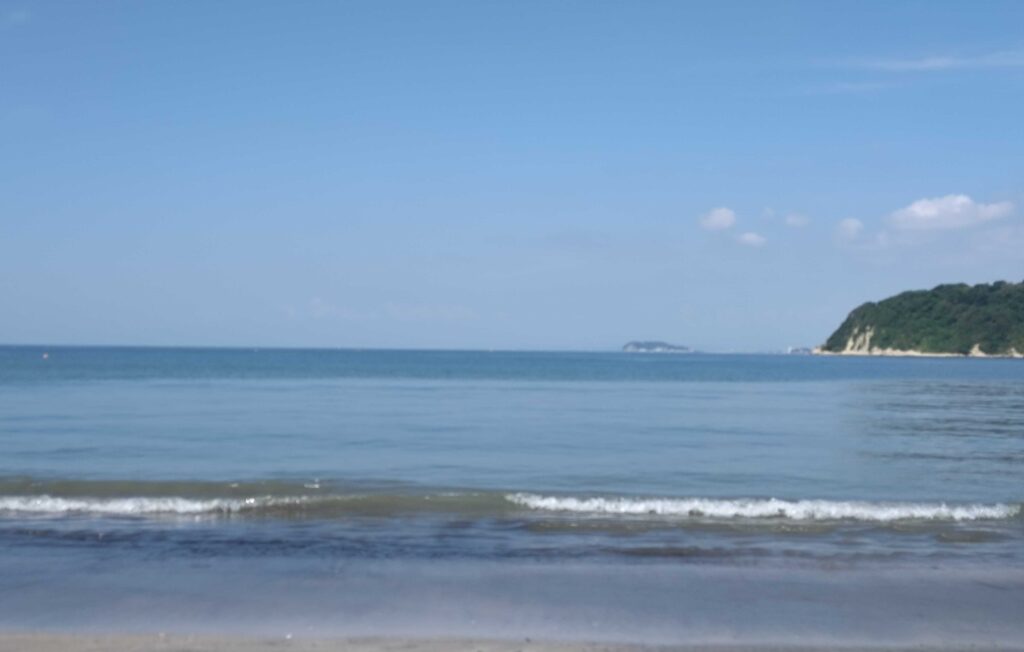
[122, 506]
[340, 506]
[799, 510]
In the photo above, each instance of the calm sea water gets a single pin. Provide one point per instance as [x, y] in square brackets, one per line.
[214, 472]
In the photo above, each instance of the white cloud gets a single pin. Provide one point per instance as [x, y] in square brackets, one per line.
[796, 220]
[718, 219]
[949, 212]
[850, 228]
[751, 239]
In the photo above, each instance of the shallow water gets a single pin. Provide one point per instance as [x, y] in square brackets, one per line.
[119, 462]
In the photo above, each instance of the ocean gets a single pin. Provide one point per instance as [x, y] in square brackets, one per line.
[583, 496]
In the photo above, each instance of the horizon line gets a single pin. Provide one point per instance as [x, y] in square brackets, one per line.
[256, 348]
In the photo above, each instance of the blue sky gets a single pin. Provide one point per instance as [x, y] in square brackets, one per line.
[524, 175]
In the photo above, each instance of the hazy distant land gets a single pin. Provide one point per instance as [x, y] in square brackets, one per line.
[654, 346]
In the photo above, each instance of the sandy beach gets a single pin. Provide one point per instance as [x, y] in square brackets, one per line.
[30, 642]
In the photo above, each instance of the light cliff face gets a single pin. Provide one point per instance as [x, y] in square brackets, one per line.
[976, 352]
[859, 342]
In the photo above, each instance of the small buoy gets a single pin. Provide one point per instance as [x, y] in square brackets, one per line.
[46, 356]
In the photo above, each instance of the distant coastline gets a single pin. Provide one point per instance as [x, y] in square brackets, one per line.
[654, 346]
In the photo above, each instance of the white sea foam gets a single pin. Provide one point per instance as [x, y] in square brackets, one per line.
[120, 506]
[754, 508]
[799, 510]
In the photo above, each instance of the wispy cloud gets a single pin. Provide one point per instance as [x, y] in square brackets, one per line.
[429, 312]
[999, 241]
[1004, 59]
[851, 88]
[318, 308]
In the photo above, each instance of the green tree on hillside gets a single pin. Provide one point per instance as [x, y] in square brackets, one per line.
[947, 319]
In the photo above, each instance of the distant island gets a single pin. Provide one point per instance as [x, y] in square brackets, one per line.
[949, 320]
[654, 347]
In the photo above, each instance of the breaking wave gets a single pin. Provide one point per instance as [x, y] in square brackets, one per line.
[122, 506]
[291, 506]
[798, 510]
[313, 501]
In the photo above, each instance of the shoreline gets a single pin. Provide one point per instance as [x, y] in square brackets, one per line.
[912, 353]
[161, 642]
[859, 343]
